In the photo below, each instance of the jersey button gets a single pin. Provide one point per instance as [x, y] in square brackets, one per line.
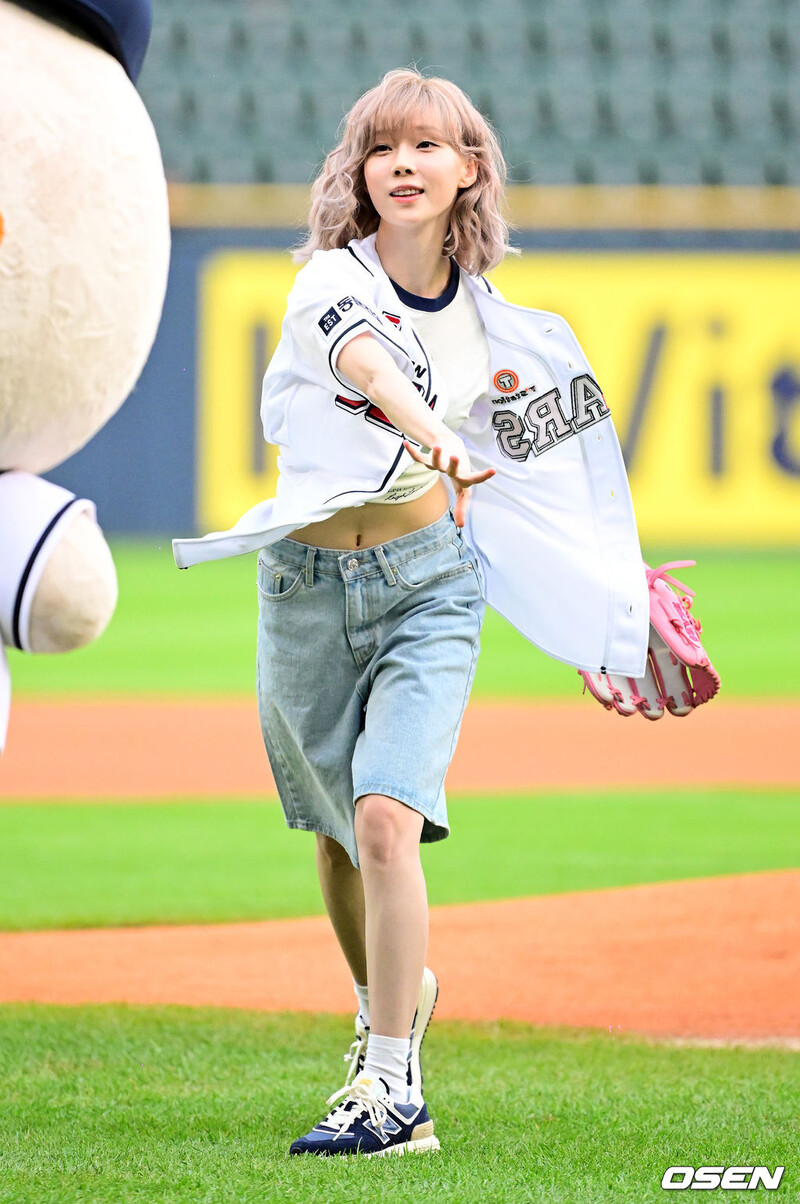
[352, 563]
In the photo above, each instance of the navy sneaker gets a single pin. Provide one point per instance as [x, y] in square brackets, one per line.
[368, 1121]
[357, 1053]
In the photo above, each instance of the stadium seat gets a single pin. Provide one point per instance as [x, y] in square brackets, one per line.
[672, 92]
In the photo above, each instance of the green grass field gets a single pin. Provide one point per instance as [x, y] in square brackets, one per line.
[193, 632]
[110, 1105]
[94, 865]
[135, 1106]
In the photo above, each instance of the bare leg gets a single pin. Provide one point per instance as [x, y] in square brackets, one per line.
[343, 893]
[387, 834]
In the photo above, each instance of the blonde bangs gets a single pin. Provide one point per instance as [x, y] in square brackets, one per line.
[341, 208]
[391, 110]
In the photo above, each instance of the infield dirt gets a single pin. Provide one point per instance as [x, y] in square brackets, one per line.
[709, 958]
[208, 748]
[714, 958]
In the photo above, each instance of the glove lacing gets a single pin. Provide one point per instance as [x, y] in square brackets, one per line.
[684, 619]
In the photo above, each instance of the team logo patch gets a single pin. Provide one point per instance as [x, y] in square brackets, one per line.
[393, 318]
[329, 320]
[506, 381]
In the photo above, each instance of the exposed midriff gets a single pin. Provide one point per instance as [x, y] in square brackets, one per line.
[372, 524]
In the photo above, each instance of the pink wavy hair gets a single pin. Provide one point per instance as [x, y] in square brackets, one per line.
[340, 205]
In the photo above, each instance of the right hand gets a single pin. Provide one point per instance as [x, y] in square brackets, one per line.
[450, 456]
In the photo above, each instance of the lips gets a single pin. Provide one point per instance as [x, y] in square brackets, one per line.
[407, 191]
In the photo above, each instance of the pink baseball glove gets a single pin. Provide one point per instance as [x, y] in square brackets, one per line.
[679, 676]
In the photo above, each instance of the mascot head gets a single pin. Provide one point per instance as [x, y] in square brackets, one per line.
[85, 228]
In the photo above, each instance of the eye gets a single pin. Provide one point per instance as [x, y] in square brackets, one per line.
[376, 150]
[426, 142]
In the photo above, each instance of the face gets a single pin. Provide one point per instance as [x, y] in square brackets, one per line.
[413, 176]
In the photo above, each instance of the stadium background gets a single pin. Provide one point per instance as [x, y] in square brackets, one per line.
[653, 160]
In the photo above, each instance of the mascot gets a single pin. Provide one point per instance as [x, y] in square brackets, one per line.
[84, 253]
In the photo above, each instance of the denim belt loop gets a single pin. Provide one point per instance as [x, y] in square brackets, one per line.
[310, 554]
[384, 563]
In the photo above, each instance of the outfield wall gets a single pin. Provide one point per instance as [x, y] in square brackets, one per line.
[688, 311]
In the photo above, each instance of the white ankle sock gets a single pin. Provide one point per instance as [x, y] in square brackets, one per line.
[362, 994]
[387, 1058]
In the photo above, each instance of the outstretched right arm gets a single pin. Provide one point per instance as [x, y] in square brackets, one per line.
[374, 373]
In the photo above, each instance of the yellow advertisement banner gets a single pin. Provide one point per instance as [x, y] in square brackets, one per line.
[242, 303]
[698, 355]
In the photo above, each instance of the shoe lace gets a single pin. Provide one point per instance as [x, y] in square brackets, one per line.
[356, 1052]
[356, 1099]
[351, 1060]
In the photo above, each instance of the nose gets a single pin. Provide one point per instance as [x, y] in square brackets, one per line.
[399, 170]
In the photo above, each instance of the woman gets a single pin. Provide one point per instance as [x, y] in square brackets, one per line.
[371, 597]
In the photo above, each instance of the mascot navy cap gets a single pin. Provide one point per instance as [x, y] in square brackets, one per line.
[122, 27]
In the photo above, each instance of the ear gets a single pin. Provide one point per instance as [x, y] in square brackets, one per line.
[469, 173]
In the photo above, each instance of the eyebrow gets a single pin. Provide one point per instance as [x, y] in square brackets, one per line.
[427, 131]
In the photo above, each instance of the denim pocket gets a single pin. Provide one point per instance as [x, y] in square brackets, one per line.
[439, 564]
[276, 584]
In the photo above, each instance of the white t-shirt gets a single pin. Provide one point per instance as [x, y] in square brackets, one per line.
[453, 335]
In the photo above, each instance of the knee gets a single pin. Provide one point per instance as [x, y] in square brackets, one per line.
[386, 830]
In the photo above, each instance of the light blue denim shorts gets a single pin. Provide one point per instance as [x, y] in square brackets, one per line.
[365, 664]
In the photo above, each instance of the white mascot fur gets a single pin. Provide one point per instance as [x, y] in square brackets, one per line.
[84, 253]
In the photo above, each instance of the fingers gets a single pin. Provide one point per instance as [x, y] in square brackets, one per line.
[450, 466]
[436, 461]
[416, 454]
[452, 470]
[465, 478]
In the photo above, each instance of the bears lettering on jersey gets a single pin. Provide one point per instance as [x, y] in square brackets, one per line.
[372, 413]
[544, 420]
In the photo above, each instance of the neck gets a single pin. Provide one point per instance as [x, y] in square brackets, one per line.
[413, 258]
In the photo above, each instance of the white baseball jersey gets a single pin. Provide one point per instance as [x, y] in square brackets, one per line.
[553, 531]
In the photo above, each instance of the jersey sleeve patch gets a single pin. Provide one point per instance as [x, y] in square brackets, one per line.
[328, 320]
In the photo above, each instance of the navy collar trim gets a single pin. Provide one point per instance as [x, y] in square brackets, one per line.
[430, 304]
